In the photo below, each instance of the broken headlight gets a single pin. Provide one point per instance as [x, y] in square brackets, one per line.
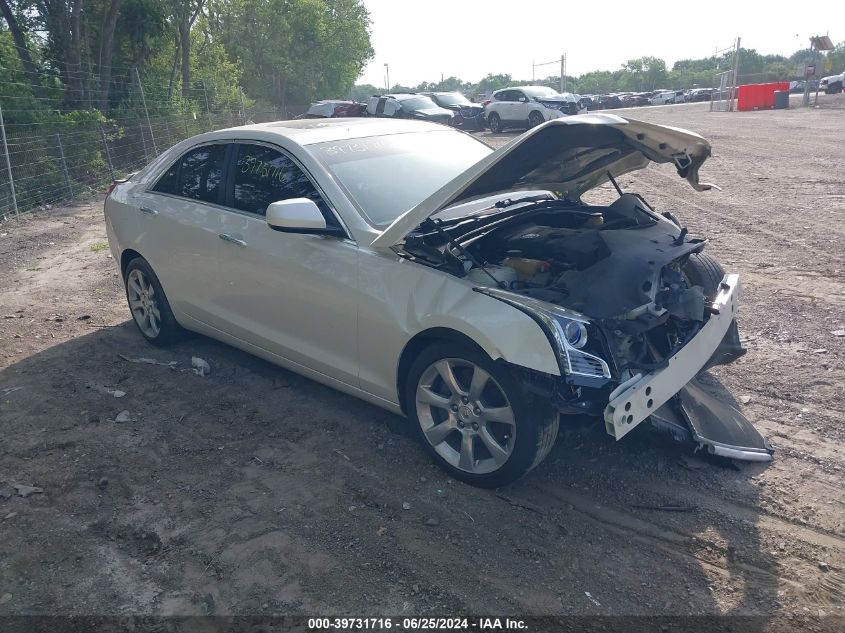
[567, 329]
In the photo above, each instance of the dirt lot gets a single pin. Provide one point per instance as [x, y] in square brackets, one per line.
[253, 490]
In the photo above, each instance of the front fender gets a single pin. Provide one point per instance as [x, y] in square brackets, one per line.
[501, 330]
[402, 299]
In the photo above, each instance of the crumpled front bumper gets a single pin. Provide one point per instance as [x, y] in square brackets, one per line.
[636, 399]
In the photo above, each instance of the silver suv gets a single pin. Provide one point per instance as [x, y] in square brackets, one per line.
[529, 106]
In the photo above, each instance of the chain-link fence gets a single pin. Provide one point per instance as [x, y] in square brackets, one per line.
[55, 162]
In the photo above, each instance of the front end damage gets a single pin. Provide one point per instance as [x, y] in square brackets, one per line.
[615, 290]
[634, 308]
[677, 401]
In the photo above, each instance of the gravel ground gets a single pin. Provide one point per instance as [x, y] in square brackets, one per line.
[256, 491]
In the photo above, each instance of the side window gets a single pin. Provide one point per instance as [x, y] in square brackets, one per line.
[169, 182]
[516, 95]
[201, 173]
[197, 175]
[264, 175]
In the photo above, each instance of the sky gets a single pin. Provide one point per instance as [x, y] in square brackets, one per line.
[422, 39]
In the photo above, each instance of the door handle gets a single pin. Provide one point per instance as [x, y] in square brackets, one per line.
[149, 211]
[234, 240]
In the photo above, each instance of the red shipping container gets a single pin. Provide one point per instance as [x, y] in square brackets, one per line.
[758, 96]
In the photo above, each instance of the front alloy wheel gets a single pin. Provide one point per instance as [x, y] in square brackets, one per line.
[465, 416]
[475, 418]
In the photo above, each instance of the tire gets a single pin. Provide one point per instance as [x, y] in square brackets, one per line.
[494, 123]
[148, 304]
[535, 119]
[704, 270]
[486, 430]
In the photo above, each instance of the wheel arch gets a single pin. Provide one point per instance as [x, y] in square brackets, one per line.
[125, 257]
[418, 343]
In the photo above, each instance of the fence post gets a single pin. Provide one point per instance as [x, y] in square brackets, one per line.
[64, 165]
[207, 109]
[147, 112]
[9, 167]
[143, 141]
[108, 153]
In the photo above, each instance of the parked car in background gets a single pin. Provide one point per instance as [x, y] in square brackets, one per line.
[468, 115]
[529, 106]
[700, 94]
[633, 99]
[668, 97]
[408, 106]
[832, 84]
[589, 101]
[471, 290]
[332, 108]
[607, 102]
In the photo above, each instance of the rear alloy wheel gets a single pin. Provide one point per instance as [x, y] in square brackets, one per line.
[148, 305]
[535, 119]
[474, 418]
[494, 123]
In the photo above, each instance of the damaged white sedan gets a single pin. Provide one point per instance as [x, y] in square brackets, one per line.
[471, 290]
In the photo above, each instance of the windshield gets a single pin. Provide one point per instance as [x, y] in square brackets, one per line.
[452, 99]
[417, 103]
[539, 91]
[388, 175]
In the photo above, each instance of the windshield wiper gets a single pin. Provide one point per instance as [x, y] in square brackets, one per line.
[509, 202]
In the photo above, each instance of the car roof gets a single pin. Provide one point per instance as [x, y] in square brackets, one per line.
[400, 96]
[310, 131]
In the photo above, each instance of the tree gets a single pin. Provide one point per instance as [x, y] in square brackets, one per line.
[21, 45]
[185, 13]
[296, 50]
[106, 51]
[644, 73]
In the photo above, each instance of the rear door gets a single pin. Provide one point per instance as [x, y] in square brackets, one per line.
[179, 220]
[293, 294]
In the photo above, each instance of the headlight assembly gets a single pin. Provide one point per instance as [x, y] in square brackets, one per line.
[567, 328]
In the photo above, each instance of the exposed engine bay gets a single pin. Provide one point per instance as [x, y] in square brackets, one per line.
[623, 265]
[606, 262]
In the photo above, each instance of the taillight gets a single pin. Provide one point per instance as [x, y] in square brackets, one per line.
[111, 188]
[485, 102]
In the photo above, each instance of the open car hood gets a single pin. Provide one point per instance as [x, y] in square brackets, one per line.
[569, 156]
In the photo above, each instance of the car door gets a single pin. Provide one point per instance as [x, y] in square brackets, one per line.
[293, 294]
[520, 106]
[179, 220]
[503, 105]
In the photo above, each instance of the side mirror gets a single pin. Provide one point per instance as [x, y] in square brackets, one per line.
[523, 99]
[297, 215]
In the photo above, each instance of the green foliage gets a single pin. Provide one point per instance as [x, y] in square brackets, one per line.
[645, 74]
[295, 51]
